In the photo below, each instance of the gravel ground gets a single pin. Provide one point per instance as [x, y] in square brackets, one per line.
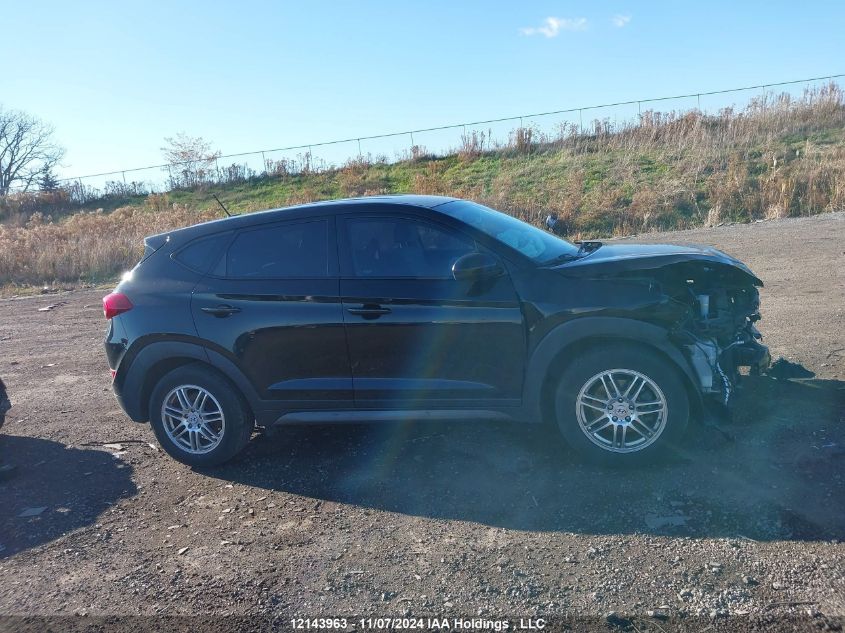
[439, 520]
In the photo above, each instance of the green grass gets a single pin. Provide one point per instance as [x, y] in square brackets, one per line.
[659, 173]
[682, 185]
[659, 187]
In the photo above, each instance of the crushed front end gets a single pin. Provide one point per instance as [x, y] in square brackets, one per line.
[707, 301]
[717, 331]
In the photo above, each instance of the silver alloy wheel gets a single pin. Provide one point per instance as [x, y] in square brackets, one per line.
[193, 419]
[621, 410]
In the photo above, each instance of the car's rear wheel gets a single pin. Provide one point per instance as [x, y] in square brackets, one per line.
[621, 404]
[198, 417]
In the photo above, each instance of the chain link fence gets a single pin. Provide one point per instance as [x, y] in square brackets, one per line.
[519, 131]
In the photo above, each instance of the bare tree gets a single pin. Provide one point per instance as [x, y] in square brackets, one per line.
[190, 160]
[27, 150]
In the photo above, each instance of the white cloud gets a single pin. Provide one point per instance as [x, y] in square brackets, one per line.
[553, 26]
[620, 20]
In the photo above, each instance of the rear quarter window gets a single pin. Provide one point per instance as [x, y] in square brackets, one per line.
[201, 254]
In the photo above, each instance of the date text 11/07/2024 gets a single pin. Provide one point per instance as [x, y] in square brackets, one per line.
[420, 624]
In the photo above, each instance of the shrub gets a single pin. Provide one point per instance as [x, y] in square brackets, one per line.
[778, 157]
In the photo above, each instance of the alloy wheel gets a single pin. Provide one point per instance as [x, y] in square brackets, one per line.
[193, 419]
[621, 410]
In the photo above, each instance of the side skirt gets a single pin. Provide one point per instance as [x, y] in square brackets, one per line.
[416, 415]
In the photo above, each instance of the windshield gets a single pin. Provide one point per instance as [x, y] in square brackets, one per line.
[539, 245]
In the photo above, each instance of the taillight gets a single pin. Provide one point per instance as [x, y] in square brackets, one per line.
[116, 303]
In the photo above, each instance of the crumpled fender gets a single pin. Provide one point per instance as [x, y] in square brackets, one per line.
[580, 329]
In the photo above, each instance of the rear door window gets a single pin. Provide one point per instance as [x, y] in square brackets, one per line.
[294, 249]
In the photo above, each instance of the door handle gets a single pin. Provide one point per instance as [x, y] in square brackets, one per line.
[369, 311]
[221, 311]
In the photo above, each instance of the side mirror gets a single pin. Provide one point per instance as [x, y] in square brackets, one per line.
[475, 266]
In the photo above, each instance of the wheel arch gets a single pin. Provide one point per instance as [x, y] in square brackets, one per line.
[156, 359]
[561, 346]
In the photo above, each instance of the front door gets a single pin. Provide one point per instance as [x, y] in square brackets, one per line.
[417, 337]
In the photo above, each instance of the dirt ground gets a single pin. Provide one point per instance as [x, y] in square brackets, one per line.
[437, 520]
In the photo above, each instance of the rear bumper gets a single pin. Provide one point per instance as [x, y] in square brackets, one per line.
[127, 390]
[115, 346]
[131, 406]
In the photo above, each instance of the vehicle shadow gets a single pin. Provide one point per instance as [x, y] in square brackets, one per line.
[775, 472]
[72, 485]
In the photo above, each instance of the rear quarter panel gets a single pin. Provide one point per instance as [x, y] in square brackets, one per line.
[160, 292]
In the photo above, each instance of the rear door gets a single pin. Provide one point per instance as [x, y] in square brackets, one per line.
[417, 337]
[271, 304]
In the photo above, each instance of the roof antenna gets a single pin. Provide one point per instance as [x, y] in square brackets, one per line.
[225, 210]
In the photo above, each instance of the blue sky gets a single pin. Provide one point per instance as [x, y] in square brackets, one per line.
[115, 78]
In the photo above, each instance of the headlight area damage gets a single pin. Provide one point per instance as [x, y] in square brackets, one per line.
[721, 305]
[707, 300]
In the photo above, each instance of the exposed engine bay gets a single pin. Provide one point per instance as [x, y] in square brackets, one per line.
[706, 299]
[717, 330]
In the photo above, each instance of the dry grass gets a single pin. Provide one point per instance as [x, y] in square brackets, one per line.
[778, 157]
[88, 246]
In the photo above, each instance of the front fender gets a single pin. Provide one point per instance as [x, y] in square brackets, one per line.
[579, 330]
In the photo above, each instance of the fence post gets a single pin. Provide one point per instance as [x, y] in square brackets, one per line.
[529, 142]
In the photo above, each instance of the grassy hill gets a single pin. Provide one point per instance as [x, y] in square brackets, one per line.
[778, 157]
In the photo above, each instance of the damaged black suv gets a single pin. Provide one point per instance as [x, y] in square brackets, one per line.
[424, 308]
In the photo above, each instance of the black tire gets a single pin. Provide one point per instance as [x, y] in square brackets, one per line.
[239, 423]
[635, 358]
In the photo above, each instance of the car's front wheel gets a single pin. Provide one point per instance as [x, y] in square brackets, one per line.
[198, 417]
[621, 404]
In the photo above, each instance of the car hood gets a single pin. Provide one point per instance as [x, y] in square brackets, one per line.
[613, 258]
